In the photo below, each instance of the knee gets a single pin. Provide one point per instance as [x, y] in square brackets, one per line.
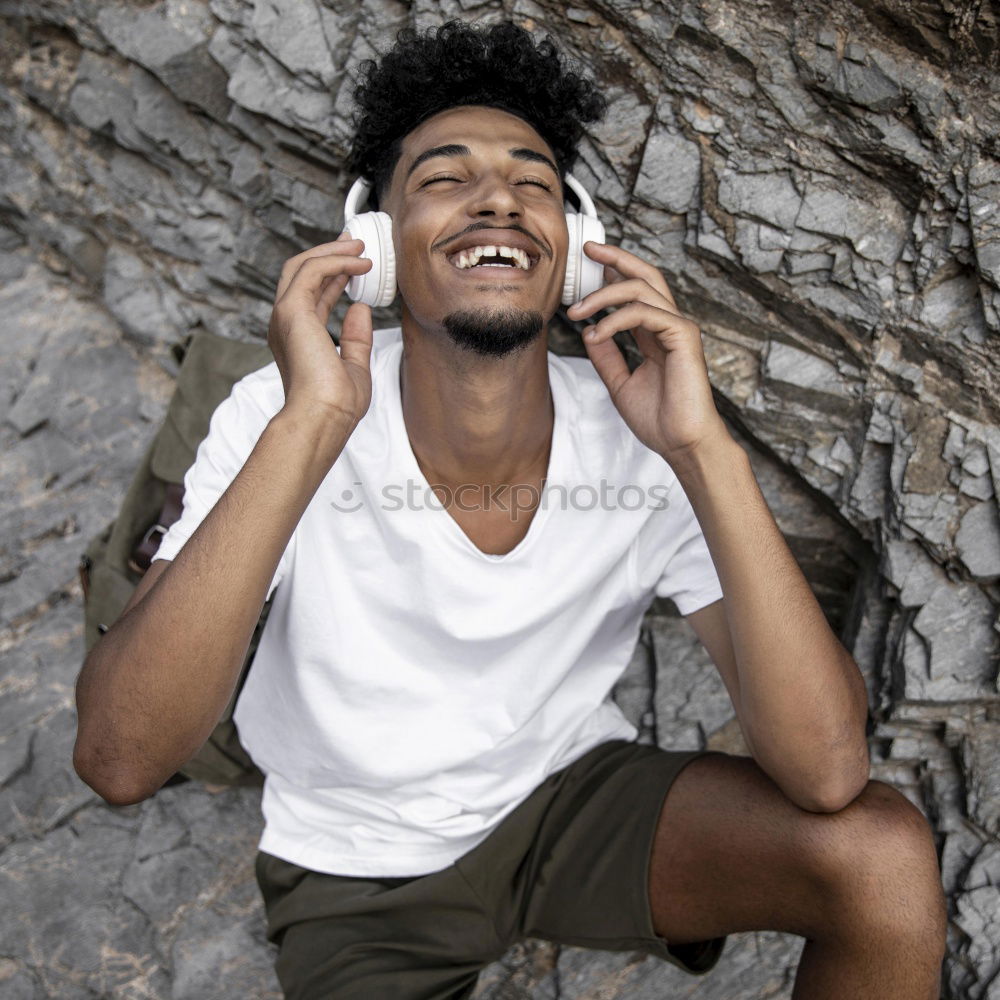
[879, 867]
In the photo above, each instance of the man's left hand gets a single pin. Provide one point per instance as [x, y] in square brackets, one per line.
[667, 401]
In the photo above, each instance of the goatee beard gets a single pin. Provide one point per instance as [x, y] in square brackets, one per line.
[493, 333]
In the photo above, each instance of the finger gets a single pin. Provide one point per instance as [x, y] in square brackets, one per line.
[648, 345]
[305, 286]
[344, 248]
[291, 266]
[629, 265]
[356, 335]
[664, 325]
[632, 290]
[610, 364]
[337, 245]
[330, 292]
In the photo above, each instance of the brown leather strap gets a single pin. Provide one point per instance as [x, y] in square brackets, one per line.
[173, 505]
[84, 568]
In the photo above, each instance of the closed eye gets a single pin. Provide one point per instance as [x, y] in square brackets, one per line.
[526, 180]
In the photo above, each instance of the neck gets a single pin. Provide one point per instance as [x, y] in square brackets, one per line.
[472, 419]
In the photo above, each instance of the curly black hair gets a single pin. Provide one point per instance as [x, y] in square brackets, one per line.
[459, 64]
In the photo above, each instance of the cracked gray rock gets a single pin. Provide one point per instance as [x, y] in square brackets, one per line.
[819, 185]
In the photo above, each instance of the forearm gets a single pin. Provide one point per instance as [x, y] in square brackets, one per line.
[801, 699]
[153, 688]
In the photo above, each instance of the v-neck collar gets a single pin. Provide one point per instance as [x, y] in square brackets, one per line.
[441, 516]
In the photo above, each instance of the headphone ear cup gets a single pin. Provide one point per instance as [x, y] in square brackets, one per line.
[591, 271]
[573, 253]
[377, 286]
[583, 275]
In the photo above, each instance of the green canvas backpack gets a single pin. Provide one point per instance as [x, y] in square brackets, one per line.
[115, 560]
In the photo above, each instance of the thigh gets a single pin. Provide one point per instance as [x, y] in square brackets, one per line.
[571, 865]
[732, 853]
[342, 937]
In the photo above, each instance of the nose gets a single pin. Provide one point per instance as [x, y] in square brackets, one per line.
[493, 196]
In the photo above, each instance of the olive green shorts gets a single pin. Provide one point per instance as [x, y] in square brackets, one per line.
[569, 864]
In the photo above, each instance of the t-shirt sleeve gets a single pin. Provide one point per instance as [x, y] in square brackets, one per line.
[235, 427]
[689, 578]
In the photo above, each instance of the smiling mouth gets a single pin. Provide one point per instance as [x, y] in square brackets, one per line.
[496, 258]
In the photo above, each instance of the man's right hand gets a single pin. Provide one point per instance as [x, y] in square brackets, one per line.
[319, 381]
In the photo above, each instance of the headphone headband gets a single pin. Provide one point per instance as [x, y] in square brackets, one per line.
[586, 203]
[356, 197]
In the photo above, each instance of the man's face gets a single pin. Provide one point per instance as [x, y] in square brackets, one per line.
[474, 177]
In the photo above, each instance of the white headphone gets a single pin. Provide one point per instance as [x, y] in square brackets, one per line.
[377, 287]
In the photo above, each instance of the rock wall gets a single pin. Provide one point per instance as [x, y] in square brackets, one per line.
[820, 185]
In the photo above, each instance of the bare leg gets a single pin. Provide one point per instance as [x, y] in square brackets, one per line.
[862, 885]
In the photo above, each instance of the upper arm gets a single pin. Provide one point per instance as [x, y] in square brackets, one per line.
[234, 431]
[712, 628]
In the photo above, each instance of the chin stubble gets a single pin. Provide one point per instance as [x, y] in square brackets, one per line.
[493, 333]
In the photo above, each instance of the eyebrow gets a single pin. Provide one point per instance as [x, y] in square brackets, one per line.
[452, 149]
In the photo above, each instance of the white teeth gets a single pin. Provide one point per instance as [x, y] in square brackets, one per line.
[471, 256]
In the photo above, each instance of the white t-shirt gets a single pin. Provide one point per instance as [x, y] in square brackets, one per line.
[410, 690]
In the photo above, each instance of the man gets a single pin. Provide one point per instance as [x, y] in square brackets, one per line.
[445, 770]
